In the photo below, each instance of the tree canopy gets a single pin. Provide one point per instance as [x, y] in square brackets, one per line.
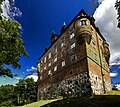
[11, 46]
[117, 6]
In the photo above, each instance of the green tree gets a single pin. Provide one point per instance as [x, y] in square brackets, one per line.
[117, 6]
[11, 46]
[7, 96]
[25, 91]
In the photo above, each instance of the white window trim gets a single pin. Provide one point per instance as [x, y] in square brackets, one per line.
[55, 59]
[72, 45]
[63, 63]
[49, 55]
[55, 68]
[45, 68]
[45, 59]
[49, 64]
[49, 72]
[72, 35]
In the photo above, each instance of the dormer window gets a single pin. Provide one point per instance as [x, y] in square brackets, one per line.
[83, 22]
[72, 33]
[62, 42]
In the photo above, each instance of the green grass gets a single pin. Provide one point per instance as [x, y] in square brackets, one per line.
[39, 103]
[111, 99]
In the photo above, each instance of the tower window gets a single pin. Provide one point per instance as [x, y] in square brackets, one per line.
[63, 63]
[95, 57]
[83, 22]
[72, 45]
[94, 45]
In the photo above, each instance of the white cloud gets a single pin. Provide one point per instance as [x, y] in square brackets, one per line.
[106, 20]
[9, 9]
[35, 77]
[113, 74]
[31, 69]
[118, 86]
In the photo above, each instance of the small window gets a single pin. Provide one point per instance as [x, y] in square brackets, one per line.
[55, 68]
[49, 64]
[44, 59]
[92, 32]
[93, 45]
[72, 45]
[72, 33]
[40, 77]
[63, 53]
[55, 59]
[62, 42]
[44, 68]
[63, 63]
[83, 22]
[49, 55]
[41, 61]
[95, 57]
[73, 57]
[41, 71]
[55, 48]
[49, 72]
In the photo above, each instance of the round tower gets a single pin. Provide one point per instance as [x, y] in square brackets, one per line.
[83, 28]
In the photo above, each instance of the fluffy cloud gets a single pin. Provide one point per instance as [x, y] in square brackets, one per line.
[106, 19]
[9, 9]
[118, 86]
[113, 74]
[34, 76]
[31, 69]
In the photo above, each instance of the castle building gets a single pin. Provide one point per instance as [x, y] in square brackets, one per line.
[76, 63]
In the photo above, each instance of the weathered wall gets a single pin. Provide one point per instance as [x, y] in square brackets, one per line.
[74, 86]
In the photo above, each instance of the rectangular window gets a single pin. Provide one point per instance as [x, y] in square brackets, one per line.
[49, 72]
[62, 42]
[55, 48]
[44, 68]
[63, 53]
[49, 55]
[72, 45]
[44, 59]
[55, 68]
[41, 71]
[83, 22]
[40, 77]
[55, 59]
[72, 33]
[49, 64]
[73, 57]
[92, 32]
[63, 63]
[93, 45]
[95, 57]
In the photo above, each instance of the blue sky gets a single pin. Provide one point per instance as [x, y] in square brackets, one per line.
[39, 18]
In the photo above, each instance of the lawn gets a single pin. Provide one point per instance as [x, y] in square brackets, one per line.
[111, 99]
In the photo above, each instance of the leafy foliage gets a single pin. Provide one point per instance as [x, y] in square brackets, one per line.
[23, 93]
[11, 46]
[117, 6]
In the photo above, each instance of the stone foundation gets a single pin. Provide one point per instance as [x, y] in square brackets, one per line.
[75, 86]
